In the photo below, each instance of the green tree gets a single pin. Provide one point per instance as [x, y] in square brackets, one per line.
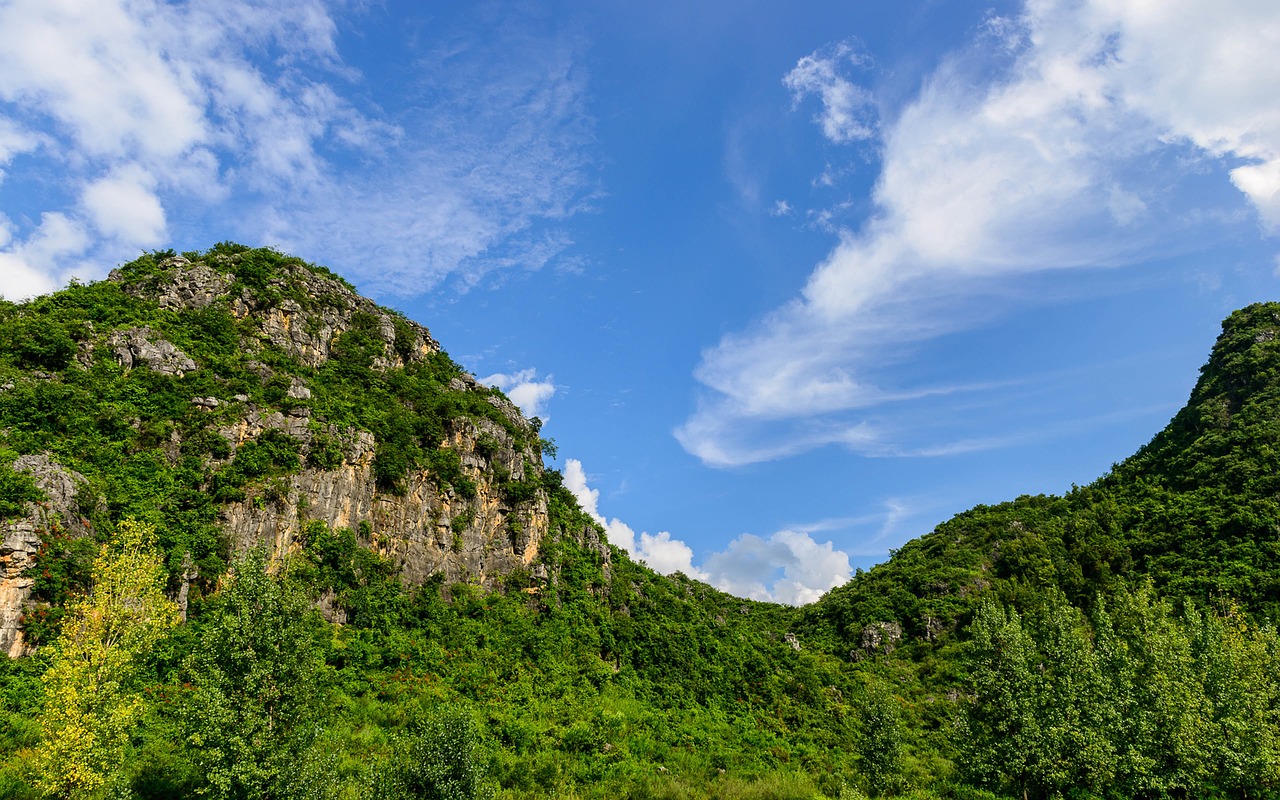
[92, 690]
[880, 746]
[1004, 737]
[1238, 664]
[1161, 740]
[439, 759]
[255, 678]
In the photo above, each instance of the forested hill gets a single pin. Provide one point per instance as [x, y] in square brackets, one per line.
[1196, 511]
[263, 538]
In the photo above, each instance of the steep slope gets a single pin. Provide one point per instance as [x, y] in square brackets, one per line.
[1197, 511]
[236, 396]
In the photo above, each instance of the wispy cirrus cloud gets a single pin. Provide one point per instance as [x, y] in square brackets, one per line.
[848, 110]
[148, 122]
[1068, 158]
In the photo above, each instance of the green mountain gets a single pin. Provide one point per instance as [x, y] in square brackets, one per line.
[263, 538]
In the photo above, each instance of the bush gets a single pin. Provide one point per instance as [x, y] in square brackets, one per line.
[16, 490]
[440, 759]
[43, 344]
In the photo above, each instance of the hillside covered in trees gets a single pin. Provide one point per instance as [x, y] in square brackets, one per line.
[263, 538]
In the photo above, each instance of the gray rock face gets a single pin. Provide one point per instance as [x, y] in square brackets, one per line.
[883, 636]
[140, 347]
[305, 330]
[428, 530]
[20, 542]
[309, 331]
[257, 421]
[192, 285]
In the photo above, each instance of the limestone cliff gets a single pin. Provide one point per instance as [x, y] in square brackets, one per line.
[425, 528]
[21, 540]
[262, 395]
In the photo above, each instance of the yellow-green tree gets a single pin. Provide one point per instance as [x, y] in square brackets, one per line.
[91, 687]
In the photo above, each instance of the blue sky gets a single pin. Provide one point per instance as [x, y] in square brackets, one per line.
[790, 284]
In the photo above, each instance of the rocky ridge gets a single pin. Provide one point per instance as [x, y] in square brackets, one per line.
[473, 529]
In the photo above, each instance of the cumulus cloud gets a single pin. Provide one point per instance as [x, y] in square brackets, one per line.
[660, 551]
[984, 182]
[788, 567]
[45, 260]
[123, 205]
[14, 139]
[245, 111]
[525, 390]
[20, 281]
[848, 110]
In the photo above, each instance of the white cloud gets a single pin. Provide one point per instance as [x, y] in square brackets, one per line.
[666, 555]
[788, 567]
[45, 260]
[848, 110]
[96, 71]
[781, 208]
[124, 206]
[245, 107]
[497, 156]
[617, 532]
[525, 390]
[57, 237]
[1203, 71]
[987, 181]
[19, 280]
[14, 140]
[575, 480]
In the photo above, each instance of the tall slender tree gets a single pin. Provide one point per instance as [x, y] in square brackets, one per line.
[93, 696]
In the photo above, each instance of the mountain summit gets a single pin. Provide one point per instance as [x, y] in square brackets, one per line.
[238, 396]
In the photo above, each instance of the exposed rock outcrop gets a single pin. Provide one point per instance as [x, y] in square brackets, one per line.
[140, 347]
[881, 637]
[192, 285]
[479, 525]
[426, 530]
[21, 542]
[304, 323]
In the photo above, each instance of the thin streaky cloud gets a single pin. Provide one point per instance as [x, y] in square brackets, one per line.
[258, 122]
[985, 182]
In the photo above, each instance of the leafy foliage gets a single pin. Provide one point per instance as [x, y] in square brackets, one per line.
[1115, 641]
[92, 690]
[439, 759]
[254, 679]
[16, 490]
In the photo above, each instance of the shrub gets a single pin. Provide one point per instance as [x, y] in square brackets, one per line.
[439, 759]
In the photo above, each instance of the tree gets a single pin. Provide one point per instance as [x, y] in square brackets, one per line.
[881, 741]
[91, 686]
[1004, 736]
[439, 759]
[255, 679]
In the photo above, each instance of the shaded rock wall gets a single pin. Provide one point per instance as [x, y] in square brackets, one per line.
[20, 542]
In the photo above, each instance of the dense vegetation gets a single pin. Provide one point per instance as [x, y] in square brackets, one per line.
[1116, 641]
